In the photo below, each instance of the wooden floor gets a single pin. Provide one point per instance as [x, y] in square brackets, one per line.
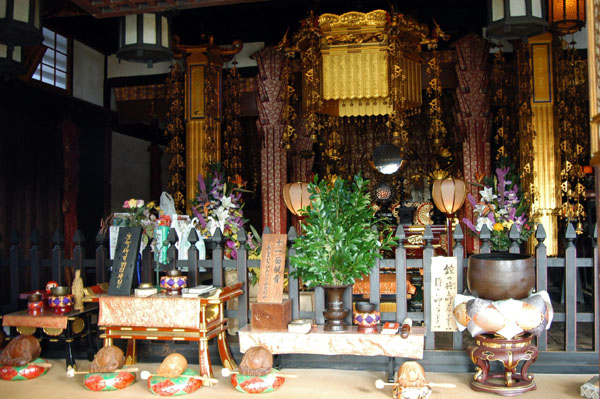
[311, 383]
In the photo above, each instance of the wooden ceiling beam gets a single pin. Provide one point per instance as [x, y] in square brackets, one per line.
[116, 8]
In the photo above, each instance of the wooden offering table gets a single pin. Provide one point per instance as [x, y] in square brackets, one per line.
[171, 318]
[320, 342]
[56, 327]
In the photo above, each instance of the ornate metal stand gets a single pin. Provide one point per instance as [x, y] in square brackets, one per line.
[509, 352]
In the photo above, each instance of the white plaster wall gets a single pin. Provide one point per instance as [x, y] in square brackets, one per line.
[580, 38]
[120, 68]
[245, 57]
[88, 74]
[130, 170]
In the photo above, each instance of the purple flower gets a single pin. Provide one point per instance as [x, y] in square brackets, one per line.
[511, 213]
[471, 200]
[469, 224]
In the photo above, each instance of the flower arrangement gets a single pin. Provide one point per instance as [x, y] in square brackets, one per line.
[219, 203]
[144, 215]
[500, 207]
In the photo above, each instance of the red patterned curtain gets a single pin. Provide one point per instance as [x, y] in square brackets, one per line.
[70, 141]
[473, 116]
[271, 127]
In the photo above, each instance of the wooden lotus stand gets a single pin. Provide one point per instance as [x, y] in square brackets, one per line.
[509, 352]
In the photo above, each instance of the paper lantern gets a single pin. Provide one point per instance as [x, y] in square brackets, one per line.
[566, 16]
[296, 197]
[145, 38]
[20, 22]
[516, 19]
[449, 194]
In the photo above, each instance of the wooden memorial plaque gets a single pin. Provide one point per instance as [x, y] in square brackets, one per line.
[443, 291]
[128, 247]
[272, 267]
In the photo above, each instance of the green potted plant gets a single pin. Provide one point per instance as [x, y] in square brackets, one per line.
[338, 244]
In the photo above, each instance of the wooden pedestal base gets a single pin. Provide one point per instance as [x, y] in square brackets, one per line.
[509, 352]
[271, 316]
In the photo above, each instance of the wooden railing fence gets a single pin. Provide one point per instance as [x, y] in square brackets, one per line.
[21, 273]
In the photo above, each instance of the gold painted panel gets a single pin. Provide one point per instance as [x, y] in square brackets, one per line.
[196, 91]
[541, 68]
[593, 9]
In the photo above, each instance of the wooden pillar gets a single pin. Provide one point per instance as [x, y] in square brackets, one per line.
[473, 116]
[202, 113]
[271, 127]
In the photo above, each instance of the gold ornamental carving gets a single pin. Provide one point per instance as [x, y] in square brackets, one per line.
[355, 49]
[354, 19]
[26, 330]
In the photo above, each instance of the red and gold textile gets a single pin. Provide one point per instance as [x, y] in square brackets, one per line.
[169, 312]
[46, 319]
[145, 92]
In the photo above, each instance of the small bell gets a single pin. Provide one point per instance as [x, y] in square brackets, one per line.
[579, 228]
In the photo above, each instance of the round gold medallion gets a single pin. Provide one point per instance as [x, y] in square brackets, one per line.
[53, 331]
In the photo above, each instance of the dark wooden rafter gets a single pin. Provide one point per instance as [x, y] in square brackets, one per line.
[116, 8]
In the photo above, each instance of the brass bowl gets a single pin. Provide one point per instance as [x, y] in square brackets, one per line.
[144, 286]
[61, 290]
[501, 275]
[34, 297]
[173, 272]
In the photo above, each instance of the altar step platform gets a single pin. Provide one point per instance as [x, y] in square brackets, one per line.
[311, 383]
[446, 361]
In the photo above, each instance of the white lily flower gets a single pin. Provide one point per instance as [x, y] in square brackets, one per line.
[483, 220]
[222, 214]
[227, 203]
[487, 194]
[212, 225]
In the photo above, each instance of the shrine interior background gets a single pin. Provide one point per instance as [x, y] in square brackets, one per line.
[70, 157]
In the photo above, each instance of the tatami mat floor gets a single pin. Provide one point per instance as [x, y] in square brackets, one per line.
[310, 384]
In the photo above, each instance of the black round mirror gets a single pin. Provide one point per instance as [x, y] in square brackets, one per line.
[387, 159]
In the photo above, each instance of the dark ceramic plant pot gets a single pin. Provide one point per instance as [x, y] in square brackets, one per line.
[501, 275]
[335, 312]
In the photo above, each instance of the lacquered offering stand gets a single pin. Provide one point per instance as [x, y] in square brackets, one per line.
[170, 318]
[509, 353]
[58, 327]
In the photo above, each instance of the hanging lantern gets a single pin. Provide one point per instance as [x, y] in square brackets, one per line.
[20, 22]
[10, 60]
[566, 16]
[145, 38]
[296, 197]
[516, 19]
[448, 196]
